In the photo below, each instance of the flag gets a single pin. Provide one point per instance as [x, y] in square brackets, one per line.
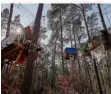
[27, 32]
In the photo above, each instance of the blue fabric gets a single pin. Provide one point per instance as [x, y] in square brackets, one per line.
[70, 50]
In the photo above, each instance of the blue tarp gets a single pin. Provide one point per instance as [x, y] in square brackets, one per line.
[71, 50]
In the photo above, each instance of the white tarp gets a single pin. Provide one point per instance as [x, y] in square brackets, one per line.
[8, 40]
[98, 53]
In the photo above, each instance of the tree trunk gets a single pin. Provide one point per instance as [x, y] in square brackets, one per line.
[85, 21]
[88, 73]
[62, 43]
[53, 69]
[71, 37]
[102, 18]
[26, 87]
[97, 76]
[102, 78]
[103, 23]
[9, 20]
[74, 35]
[79, 67]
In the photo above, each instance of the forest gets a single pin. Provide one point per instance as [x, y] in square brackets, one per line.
[75, 60]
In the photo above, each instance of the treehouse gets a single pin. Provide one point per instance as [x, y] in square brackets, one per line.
[17, 52]
[16, 49]
[70, 53]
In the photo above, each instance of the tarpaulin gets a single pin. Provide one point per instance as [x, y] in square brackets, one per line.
[9, 40]
[71, 50]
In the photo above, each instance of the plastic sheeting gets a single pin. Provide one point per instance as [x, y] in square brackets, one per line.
[9, 40]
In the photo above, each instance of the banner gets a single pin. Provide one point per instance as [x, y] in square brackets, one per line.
[98, 53]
